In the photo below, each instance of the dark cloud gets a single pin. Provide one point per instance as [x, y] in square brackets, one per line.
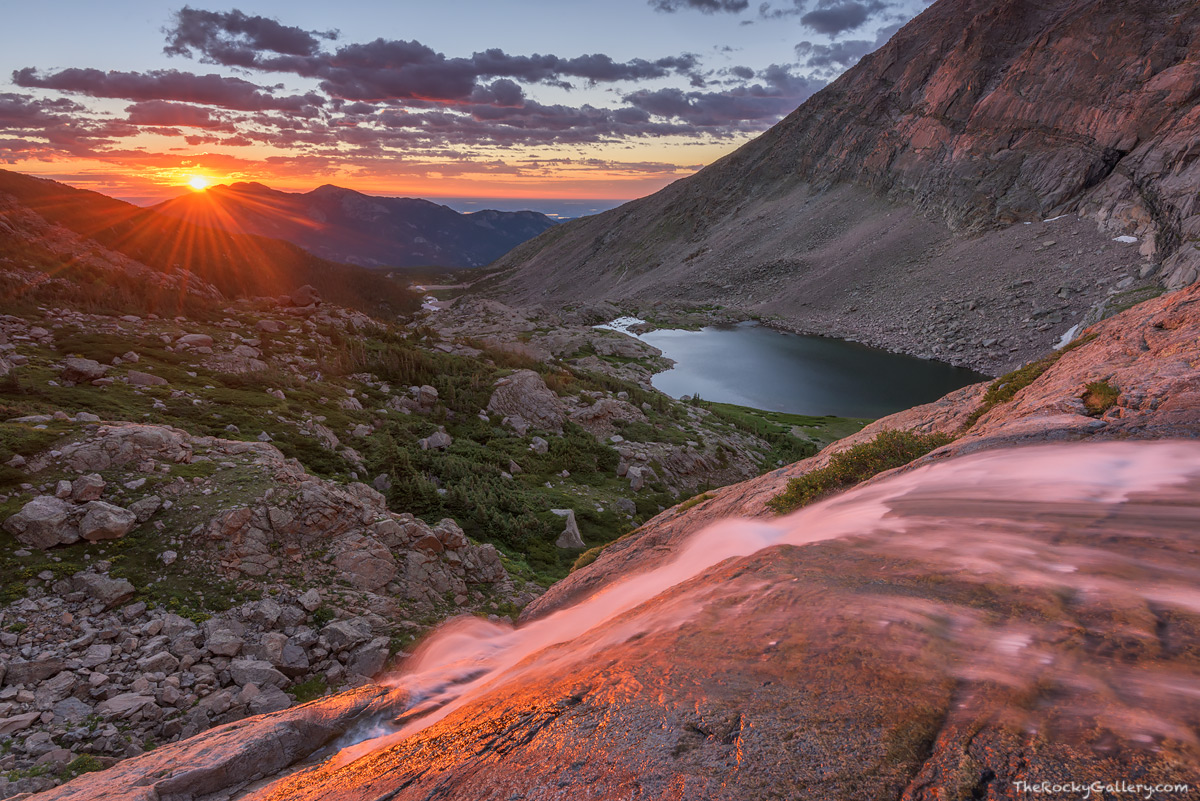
[767, 11]
[834, 57]
[211, 90]
[779, 92]
[236, 39]
[53, 126]
[389, 69]
[705, 6]
[833, 17]
[382, 98]
[164, 113]
[20, 111]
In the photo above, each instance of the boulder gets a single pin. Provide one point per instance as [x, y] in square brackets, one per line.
[368, 660]
[141, 379]
[539, 445]
[636, 479]
[16, 723]
[125, 705]
[32, 671]
[603, 418]
[256, 672]
[195, 341]
[270, 326]
[118, 444]
[96, 655]
[105, 521]
[305, 296]
[160, 662]
[79, 370]
[570, 536]
[344, 634]
[54, 689]
[310, 600]
[109, 591]
[87, 488]
[289, 658]
[450, 534]
[525, 395]
[224, 642]
[43, 523]
[426, 395]
[145, 508]
[437, 441]
[71, 710]
[269, 699]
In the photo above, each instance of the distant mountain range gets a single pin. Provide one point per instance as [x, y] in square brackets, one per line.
[64, 228]
[344, 225]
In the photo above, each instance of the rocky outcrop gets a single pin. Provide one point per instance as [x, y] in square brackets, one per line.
[47, 521]
[570, 538]
[525, 401]
[906, 184]
[372, 547]
[234, 754]
[123, 444]
[43, 523]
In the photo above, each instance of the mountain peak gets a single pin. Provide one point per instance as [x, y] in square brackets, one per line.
[345, 225]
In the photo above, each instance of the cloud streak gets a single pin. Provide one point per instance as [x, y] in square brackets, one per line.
[211, 89]
[703, 6]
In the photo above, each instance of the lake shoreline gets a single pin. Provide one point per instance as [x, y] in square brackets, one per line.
[817, 375]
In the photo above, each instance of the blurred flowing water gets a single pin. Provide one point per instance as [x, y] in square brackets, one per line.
[1116, 524]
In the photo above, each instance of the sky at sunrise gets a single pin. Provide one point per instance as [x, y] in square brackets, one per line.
[529, 102]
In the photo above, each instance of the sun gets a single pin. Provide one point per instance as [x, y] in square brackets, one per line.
[198, 183]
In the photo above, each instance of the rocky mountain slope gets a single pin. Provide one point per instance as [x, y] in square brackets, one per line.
[233, 506]
[893, 642]
[236, 265]
[891, 206]
[347, 226]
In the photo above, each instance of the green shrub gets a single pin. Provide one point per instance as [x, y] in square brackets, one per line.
[309, 690]
[85, 763]
[586, 558]
[695, 500]
[1099, 397]
[1006, 387]
[888, 450]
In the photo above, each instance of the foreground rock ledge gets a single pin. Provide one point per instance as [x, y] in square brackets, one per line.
[224, 758]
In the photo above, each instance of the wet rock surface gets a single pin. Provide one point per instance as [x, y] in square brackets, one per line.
[872, 666]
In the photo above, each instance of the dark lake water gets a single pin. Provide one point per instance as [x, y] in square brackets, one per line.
[755, 366]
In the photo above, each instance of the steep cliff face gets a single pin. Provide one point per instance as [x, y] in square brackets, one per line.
[906, 181]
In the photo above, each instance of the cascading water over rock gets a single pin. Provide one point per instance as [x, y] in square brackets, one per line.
[970, 584]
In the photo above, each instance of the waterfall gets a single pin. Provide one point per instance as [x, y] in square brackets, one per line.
[984, 516]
